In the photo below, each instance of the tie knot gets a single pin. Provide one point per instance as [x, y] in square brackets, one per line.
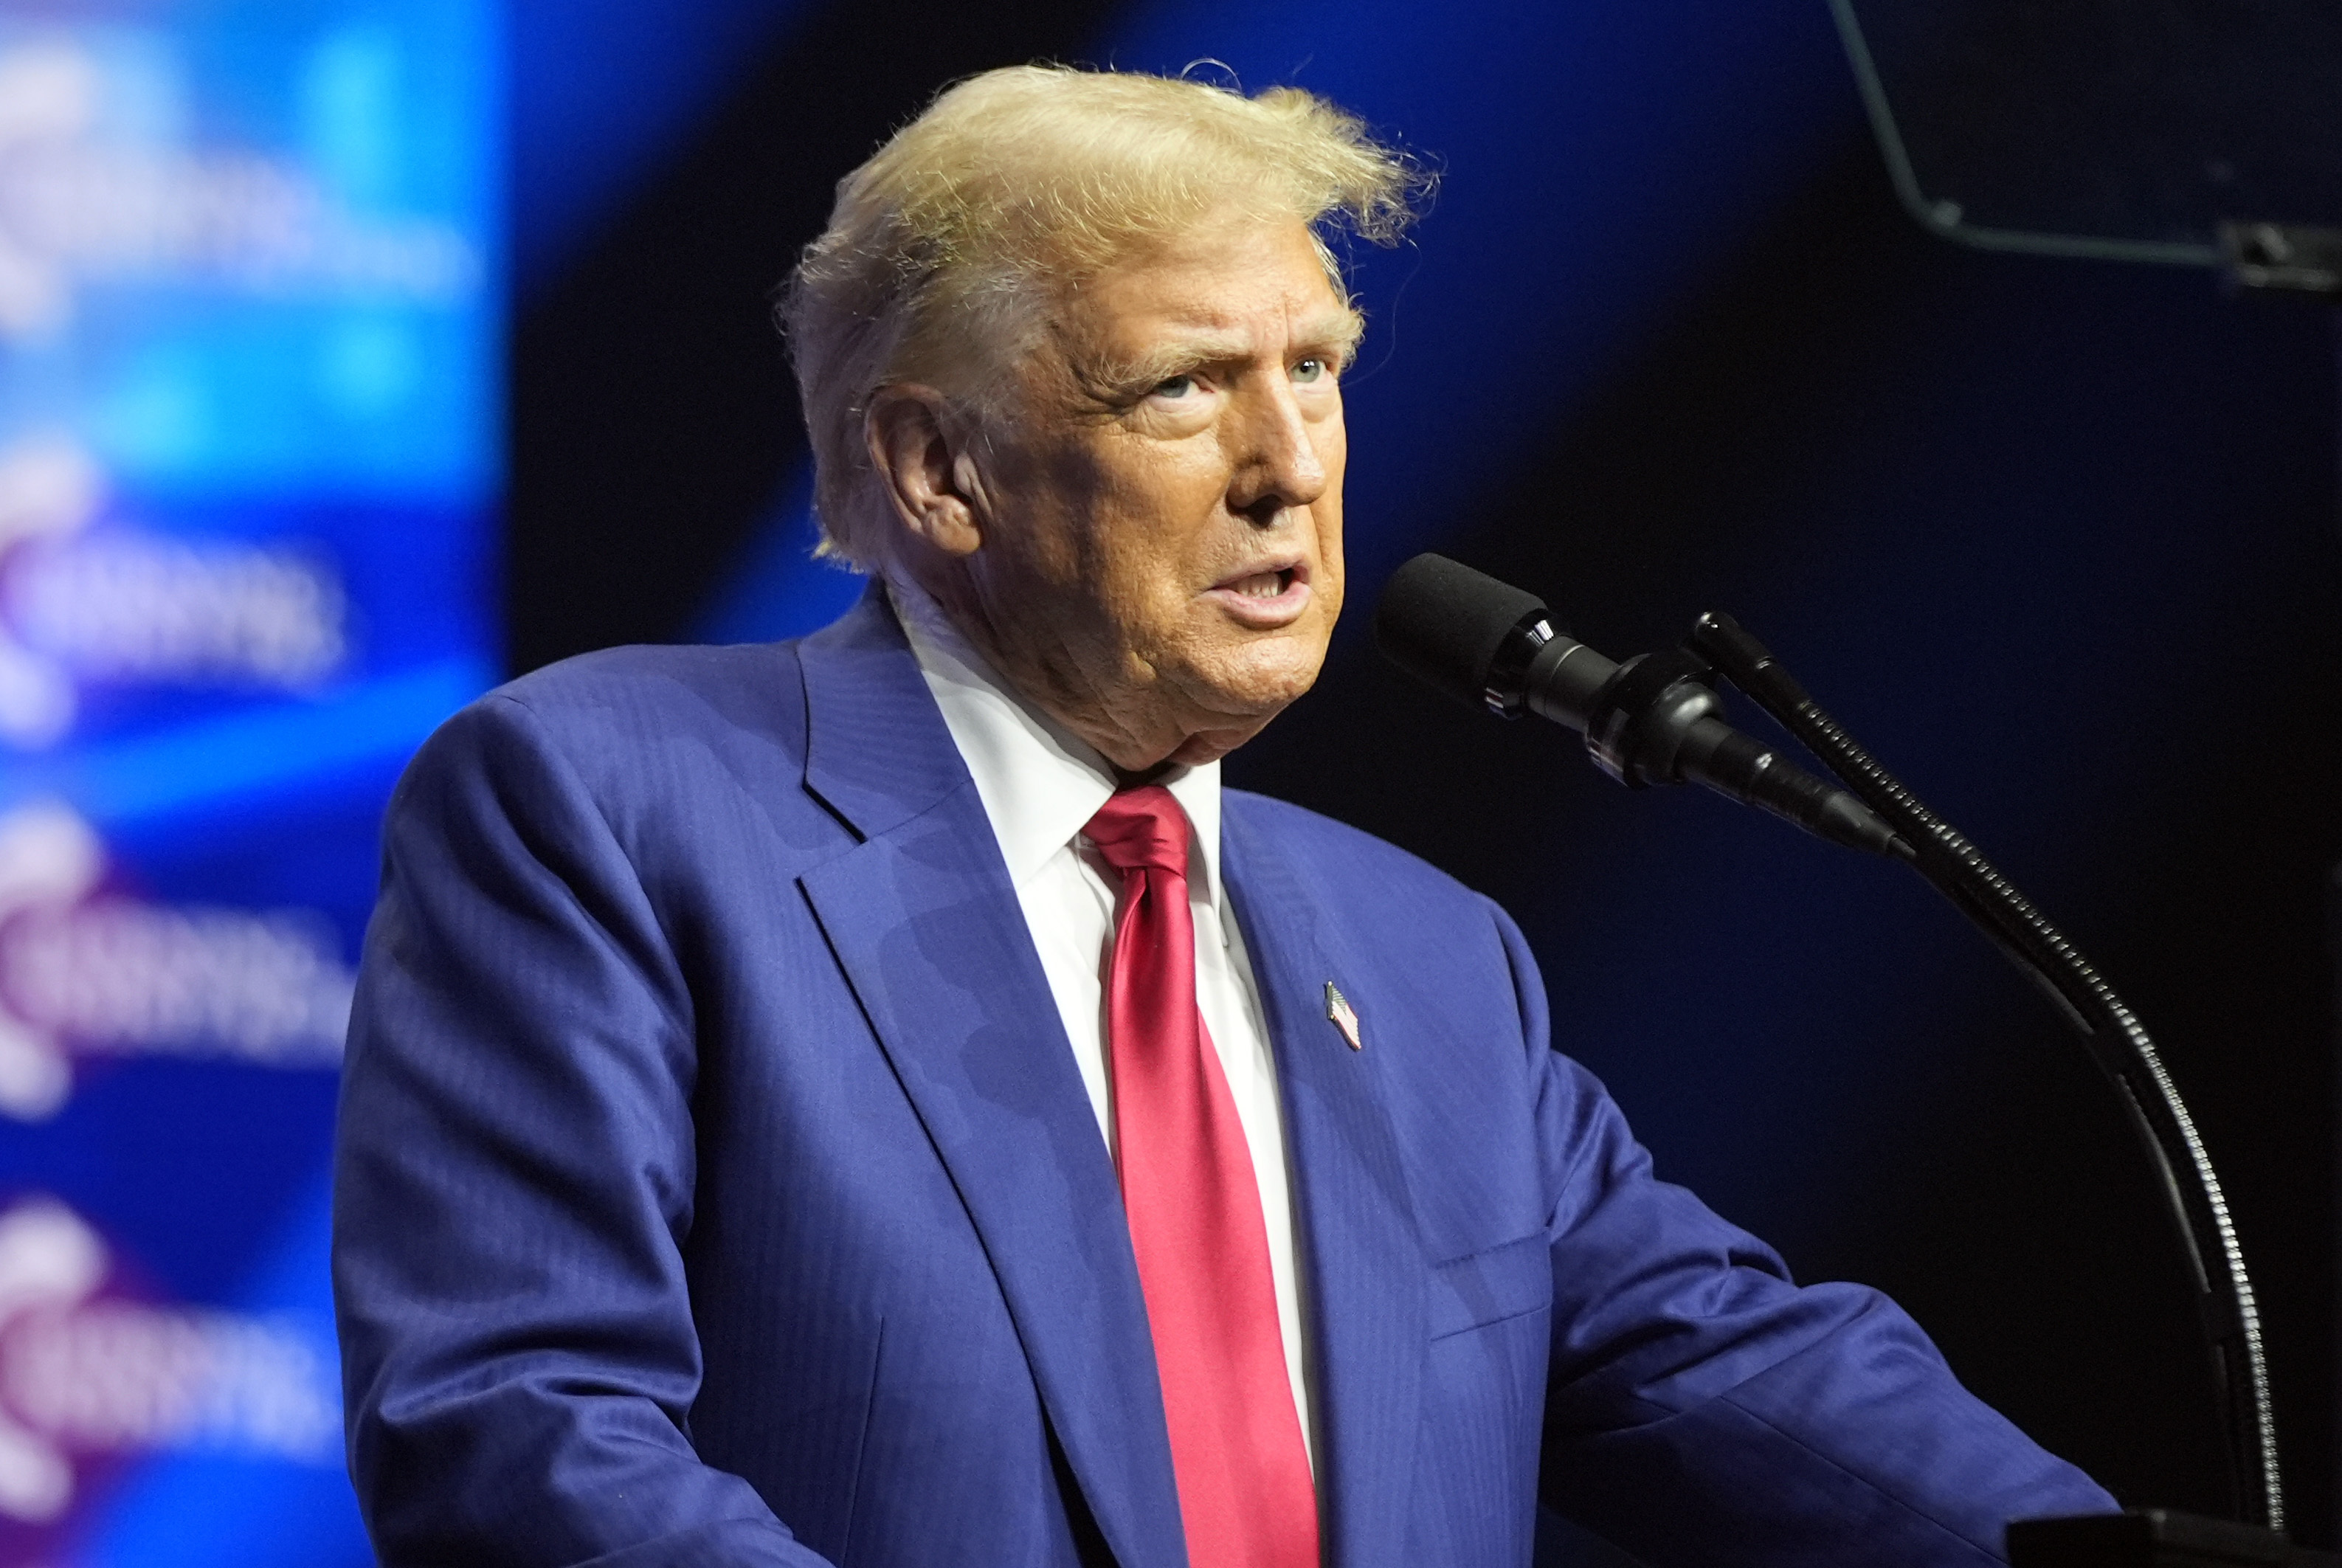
[1141, 828]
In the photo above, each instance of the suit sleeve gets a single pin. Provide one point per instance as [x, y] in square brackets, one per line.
[1703, 1408]
[513, 1185]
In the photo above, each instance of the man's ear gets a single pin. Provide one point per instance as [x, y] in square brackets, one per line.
[918, 447]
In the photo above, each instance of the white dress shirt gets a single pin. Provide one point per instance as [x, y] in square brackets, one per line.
[1040, 786]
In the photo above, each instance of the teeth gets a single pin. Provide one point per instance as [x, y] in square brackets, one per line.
[1262, 585]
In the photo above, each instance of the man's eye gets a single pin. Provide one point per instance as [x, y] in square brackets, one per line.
[1176, 388]
[1309, 370]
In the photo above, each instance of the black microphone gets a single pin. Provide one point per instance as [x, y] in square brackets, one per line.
[1648, 720]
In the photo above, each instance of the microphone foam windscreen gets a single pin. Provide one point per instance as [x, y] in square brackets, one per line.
[1443, 623]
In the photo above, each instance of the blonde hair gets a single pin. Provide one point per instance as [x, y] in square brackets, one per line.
[944, 248]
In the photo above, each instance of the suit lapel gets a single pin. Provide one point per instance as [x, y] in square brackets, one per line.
[1362, 1253]
[928, 931]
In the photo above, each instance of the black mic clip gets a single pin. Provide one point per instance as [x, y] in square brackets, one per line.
[1636, 728]
[1655, 721]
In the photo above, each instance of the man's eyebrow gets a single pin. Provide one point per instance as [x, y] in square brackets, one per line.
[1336, 336]
[1154, 365]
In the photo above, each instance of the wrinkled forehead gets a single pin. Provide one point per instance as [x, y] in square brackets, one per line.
[1231, 287]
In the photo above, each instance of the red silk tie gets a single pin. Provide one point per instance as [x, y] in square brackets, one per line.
[1245, 1496]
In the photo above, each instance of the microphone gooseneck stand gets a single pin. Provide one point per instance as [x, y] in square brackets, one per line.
[1954, 867]
[1654, 720]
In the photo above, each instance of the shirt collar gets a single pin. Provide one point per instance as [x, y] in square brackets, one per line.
[1040, 783]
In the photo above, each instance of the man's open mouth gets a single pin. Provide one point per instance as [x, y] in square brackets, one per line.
[1271, 597]
[1264, 584]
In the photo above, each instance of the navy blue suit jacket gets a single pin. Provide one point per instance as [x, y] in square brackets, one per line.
[715, 1187]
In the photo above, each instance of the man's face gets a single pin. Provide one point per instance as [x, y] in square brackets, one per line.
[1162, 566]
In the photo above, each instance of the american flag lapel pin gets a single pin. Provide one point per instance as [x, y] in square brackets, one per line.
[1345, 1016]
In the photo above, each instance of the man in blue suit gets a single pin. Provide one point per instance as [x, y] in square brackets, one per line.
[877, 1101]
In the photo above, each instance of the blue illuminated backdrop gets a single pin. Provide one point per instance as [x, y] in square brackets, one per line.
[250, 461]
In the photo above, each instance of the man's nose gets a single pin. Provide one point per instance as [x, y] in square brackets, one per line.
[1276, 464]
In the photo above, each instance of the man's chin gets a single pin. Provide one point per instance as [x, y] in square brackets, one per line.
[1264, 674]
[1211, 746]
[1239, 712]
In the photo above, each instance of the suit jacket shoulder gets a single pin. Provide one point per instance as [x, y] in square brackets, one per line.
[649, 753]
[1347, 853]
[1390, 910]
[647, 723]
